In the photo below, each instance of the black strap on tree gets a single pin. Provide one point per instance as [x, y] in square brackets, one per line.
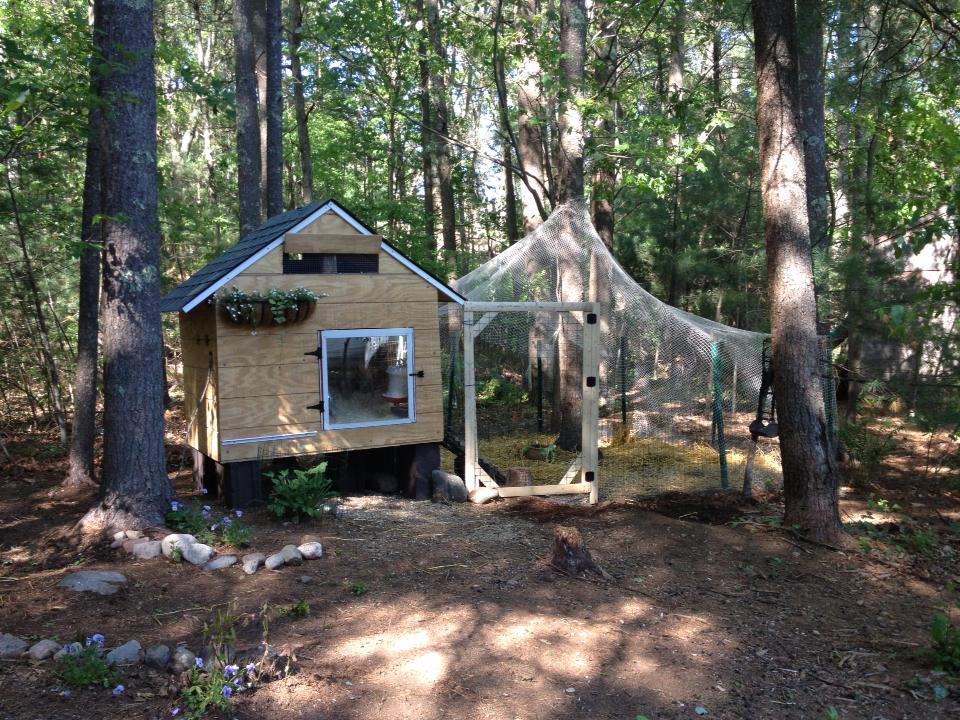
[765, 424]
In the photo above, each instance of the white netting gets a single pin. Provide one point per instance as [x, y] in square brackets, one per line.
[677, 391]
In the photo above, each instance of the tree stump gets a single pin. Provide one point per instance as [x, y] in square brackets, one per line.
[570, 555]
[519, 477]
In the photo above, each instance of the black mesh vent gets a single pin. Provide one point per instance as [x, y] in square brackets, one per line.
[329, 263]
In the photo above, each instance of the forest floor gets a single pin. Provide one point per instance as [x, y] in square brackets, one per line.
[710, 608]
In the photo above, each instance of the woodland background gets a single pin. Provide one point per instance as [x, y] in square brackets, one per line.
[409, 112]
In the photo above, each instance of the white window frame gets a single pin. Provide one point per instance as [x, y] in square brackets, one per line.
[325, 335]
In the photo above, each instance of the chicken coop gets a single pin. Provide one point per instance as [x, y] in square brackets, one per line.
[311, 335]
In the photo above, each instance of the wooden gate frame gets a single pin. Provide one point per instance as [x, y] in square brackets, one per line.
[585, 465]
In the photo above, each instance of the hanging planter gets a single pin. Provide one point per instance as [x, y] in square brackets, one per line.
[276, 307]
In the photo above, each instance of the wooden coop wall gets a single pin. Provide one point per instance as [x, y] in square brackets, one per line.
[198, 339]
[266, 381]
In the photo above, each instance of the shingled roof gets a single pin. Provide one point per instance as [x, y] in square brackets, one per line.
[212, 276]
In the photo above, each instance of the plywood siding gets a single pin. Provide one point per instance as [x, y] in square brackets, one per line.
[198, 338]
[267, 380]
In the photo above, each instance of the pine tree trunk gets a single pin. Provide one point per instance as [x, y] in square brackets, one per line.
[427, 139]
[534, 194]
[274, 107]
[258, 24]
[135, 491]
[810, 39]
[82, 469]
[299, 104]
[604, 167]
[248, 123]
[441, 127]
[508, 140]
[675, 71]
[809, 471]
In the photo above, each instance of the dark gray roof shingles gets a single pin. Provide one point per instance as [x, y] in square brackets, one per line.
[246, 248]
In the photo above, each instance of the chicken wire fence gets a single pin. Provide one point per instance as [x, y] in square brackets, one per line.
[677, 391]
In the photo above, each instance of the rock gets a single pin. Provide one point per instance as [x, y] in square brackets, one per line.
[147, 549]
[11, 646]
[127, 654]
[120, 535]
[291, 555]
[133, 534]
[224, 561]
[305, 579]
[253, 561]
[448, 487]
[519, 477]
[73, 648]
[157, 656]
[102, 582]
[117, 544]
[197, 553]
[274, 561]
[384, 482]
[311, 550]
[182, 660]
[176, 540]
[43, 649]
[129, 545]
[482, 495]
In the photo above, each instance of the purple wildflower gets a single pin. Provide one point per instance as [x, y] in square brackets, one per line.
[238, 680]
[174, 711]
[250, 667]
[174, 506]
[238, 513]
[230, 670]
[96, 639]
[199, 662]
[203, 491]
[65, 693]
[226, 520]
[118, 690]
[227, 691]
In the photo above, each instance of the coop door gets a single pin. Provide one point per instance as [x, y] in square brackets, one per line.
[368, 377]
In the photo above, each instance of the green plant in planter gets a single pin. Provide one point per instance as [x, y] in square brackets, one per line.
[247, 308]
[239, 305]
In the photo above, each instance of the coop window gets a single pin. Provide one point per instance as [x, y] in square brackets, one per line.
[368, 377]
[330, 263]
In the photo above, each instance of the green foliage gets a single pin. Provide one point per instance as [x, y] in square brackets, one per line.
[88, 668]
[242, 306]
[356, 588]
[212, 684]
[201, 522]
[296, 492]
[945, 637]
[500, 391]
[300, 609]
[868, 446]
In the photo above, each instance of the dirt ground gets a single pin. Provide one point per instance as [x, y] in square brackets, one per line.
[710, 609]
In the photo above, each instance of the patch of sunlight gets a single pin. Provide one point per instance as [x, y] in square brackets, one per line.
[426, 668]
[409, 641]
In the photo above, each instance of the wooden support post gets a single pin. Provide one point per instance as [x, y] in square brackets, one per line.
[470, 458]
[591, 402]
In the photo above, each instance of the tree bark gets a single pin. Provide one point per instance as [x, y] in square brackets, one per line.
[507, 141]
[299, 104]
[135, 491]
[82, 470]
[810, 28]
[809, 471]
[258, 24]
[274, 108]
[440, 143]
[426, 139]
[248, 123]
[675, 70]
[573, 42]
[534, 192]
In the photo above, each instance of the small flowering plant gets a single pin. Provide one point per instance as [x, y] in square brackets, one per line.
[88, 668]
[207, 526]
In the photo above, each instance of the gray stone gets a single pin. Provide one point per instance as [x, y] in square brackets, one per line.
[102, 582]
[127, 654]
[305, 579]
[197, 553]
[176, 540]
[117, 544]
[218, 563]
[120, 535]
[311, 550]
[291, 556]
[253, 561]
[11, 646]
[274, 561]
[73, 648]
[448, 487]
[483, 495]
[183, 659]
[147, 550]
[43, 649]
[129, 545]
[157, 656]
[133, 534]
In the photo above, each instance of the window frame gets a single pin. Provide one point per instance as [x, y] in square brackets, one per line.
[408, 333]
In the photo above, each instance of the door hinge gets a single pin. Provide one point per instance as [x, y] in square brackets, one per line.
[316, 353]
[418, 373]
[318, 407]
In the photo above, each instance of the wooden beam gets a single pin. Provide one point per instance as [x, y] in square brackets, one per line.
[478, 306]
[590, 408]
[572, 472]
[470, 459]
[483, 322]
[530, 490]
[330, 243]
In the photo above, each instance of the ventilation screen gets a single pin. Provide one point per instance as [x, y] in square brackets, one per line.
[329, 263]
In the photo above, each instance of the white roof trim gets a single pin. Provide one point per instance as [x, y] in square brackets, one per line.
[353, 222]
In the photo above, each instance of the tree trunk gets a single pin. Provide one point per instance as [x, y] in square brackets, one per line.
[258, 24]
[299, 104]
[441, 145]
[135, 491]
[274, 107]
[427, 139]
[809, 471]
[810, 40]
[534, 193]
[248, 123]
[604, 166]
[508, 140]
[573, 40]
[82, 470]
[46, 350]
[675, 70]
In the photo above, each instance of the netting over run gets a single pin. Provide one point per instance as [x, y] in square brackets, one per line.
[677, 391]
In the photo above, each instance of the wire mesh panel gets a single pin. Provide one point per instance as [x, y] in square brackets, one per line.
[677, 391]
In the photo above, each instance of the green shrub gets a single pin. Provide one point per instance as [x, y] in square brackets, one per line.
[946, 644]
[88, 668]
[498, 391]
[200, 522]
[300, 610]
[867, 446]
[299, 492]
